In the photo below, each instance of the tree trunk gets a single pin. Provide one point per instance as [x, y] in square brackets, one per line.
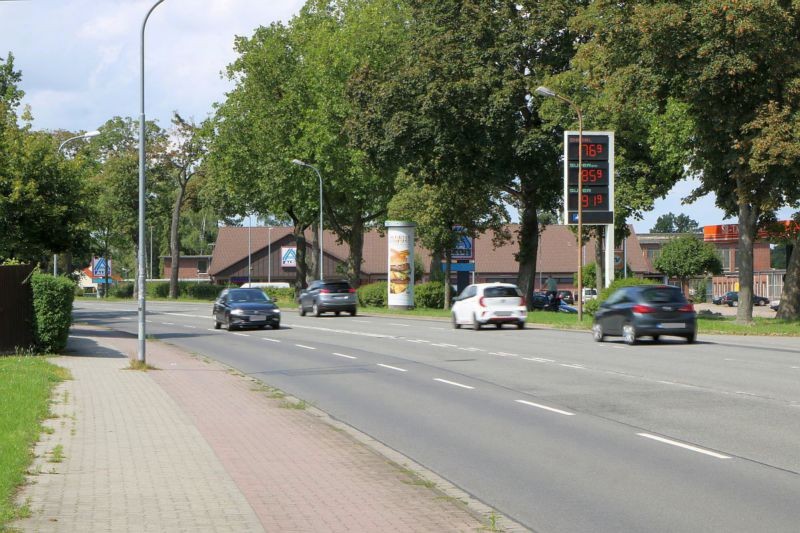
[301, 270]
[175, 243]
[790, 295]
[313, 261]
[448, 256]
[436, 273]
[356, 251]
[748, 215]
[528, 237]
[599, 259]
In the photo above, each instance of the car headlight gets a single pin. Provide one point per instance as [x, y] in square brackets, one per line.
[237, 311]
[276, 311]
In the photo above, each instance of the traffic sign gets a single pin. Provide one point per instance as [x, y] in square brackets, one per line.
[596, 177]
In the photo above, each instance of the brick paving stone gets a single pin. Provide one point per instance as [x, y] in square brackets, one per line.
[193, 447]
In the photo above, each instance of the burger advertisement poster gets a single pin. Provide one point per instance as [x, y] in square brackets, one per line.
[401, 263]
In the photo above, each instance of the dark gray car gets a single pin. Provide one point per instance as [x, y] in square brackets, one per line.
[645, 311]
[327, 296]
[245, 308]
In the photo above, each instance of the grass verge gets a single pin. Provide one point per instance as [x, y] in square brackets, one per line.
[26, 383]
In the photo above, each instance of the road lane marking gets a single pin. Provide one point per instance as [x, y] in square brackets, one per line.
[472, 350]
[304, 346]
[441, 329]
[539, 359]
[397, 324]
[345, 331]
[361, 321]
[505, 354]
[269, 340]
[683, 445]
[546, 408]
[453, 383]
[242, 334]
[190, 327]
[416, 341]
[393, 367]
[573, 366]
[444, 345]
[167, 324]
[345, 355]
[184, 314]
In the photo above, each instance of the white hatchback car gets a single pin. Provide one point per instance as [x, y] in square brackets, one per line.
[489, 303]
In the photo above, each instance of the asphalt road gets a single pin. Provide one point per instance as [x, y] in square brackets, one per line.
[556, 431]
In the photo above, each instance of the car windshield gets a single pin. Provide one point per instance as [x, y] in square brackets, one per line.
[248, 296]
[662, 295]
[501, 292]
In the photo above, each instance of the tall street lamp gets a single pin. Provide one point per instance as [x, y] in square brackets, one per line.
[549, 93]
[87, 135]
[140, 263]
[301, 163]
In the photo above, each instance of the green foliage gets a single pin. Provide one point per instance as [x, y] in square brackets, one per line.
[589, 276]
[592, 305]
[686, 257]
[671, 223]
[158, 289]
[25, 386]
[429, 295]
[199, 291]
[700, 291]
[277, 294]
[52, 304]
[122, 290]
[373, 295]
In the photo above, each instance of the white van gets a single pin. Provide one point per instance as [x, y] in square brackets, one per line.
[262, 285]
[589, 293]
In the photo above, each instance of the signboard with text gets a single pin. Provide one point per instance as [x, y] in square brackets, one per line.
[288, 257]
[465, 245]
[593, 184]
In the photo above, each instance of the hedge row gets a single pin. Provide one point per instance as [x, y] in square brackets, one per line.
[593, 305]
[52, 305]
[426, 295]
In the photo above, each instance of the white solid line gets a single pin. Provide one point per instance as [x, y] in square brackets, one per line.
[242, 334]
[445, 345]
[682, 445]
[540, 406]
[269, 340]
[304, 346]
[506, 354]
[453, 383]
[539, 359]
[573, 366]
[393, 367]
[396, 324]
[345, 355]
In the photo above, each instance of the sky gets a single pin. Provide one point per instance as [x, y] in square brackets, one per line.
[80, 65]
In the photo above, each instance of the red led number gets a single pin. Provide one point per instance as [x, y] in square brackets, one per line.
[592, 150]
[593, 201]
[591, 175]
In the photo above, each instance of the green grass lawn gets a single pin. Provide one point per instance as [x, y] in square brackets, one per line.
[25, 387]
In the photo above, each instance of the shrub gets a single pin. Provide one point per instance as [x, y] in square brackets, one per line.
[592, 305]
[429, 295]
[52, 304]
[199, 291]
[373, 295]
[159, 289]
[276, 293]
[122, 290]
[79, 290]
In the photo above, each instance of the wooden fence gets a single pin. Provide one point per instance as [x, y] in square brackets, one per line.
[16, 308]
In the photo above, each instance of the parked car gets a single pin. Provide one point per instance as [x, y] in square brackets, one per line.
[242, 308]
[567, 297]
[775, 305]
[328, 296]
[645, 310]
[731, 299]
[489, 303]
[589, 293]
[539, 300]
[717, 300]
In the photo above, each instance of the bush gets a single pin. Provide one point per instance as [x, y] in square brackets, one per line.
[199, 291]
[122, 290]
[276, 293]
[429, 295]
[592, 305]
[373, 295]
[52, 304]
[158, 289]
[79, 290]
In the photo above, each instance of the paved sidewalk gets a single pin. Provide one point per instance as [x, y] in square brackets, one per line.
[195, 446]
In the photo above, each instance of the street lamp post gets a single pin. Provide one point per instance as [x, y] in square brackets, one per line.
[141, 259]
[301, 163]
[249, 252]
[549, 93]
[87, 135]
[269, 254]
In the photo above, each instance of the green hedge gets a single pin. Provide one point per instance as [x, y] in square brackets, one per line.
[373, 295]
[429, 295]
[122, 290]
[592, 305]
[276, 293]
[52, 304]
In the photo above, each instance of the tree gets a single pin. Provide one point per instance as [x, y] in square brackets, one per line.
[670, 223]
[686, 257]
[787, 234]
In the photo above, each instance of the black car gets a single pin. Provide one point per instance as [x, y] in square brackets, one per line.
[327, 296]
[567, 297]
[731, 299]
[539, 300]
[717, 300]
[645, 311]
[242, 308]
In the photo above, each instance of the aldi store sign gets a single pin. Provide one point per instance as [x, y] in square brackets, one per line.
[288, 257]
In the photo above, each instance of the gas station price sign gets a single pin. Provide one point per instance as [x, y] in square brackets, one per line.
[595, 178]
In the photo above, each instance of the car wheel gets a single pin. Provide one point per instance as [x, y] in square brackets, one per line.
[276, 325]
[262, 326]
[475, 324]
[217, 325]
[499, 325]
[691, 338]
[338, 313]
[597, 332]
[735, 304]
[521, 325]
[656, 337]
[315, 309]
[301, 310]
[353, 312]
[629, 334]
[456, 325]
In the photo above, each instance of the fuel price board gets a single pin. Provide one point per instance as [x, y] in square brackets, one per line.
[593, 184]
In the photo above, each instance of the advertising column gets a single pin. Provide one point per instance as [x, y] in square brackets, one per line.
[401, 264]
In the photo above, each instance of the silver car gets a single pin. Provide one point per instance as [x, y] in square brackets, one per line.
[327, 296]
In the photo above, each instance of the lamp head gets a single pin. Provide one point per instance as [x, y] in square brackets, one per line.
[89, 134]
[544, 91]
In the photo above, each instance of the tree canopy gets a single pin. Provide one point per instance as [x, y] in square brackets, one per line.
[672, 223]
[686, 257]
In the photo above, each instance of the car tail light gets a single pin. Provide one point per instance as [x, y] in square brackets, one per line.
[643, 309]
[688, 308]
[325, 291]
[481, 302]
[522, 301]
[351, 290]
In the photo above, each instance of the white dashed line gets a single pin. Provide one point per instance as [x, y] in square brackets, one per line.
[345, 355]
[361, 321]
[212, 329]
[304, 346]
[505, 354]
[573, 366]
[269, 340]
[444, 345]
[546, 408]
[149, 321]
[472, 350]
[453, 383]
[539, 359]
[417, 341]
[242, 334]
[397, 324]
[190, 327]
[682, 445]
[440, 329]
[393, 367]
[167, 324]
